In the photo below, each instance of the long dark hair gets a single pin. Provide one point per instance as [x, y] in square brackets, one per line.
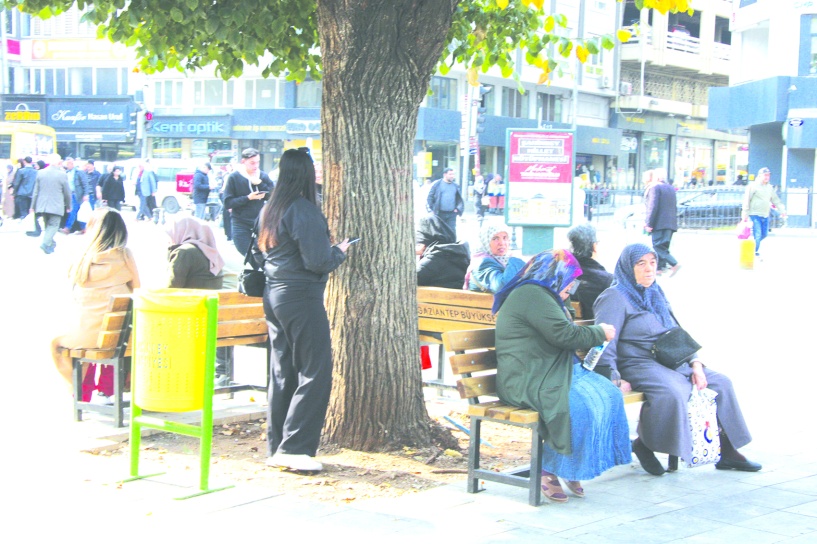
[296, 178]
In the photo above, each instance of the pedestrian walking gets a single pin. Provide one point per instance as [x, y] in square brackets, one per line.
[146, 186]
[201, 188]
[51, 200]
[662, 219]
[298, 256]
[78, 183]
[113, 188]
[445, 199]
[757, 204]
[24, 182]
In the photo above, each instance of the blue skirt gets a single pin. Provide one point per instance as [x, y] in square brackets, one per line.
[599, 432]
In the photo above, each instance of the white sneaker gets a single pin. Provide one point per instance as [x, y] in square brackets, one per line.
[294, 462]
[102, 399]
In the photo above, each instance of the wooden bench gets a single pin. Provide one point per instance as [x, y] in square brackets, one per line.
[440, 310]
[474, 360]
[241, 321]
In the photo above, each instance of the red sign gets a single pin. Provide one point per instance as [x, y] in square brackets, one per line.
[540, 177]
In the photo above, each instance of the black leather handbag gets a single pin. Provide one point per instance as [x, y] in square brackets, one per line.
[251, 281]
[674, 348]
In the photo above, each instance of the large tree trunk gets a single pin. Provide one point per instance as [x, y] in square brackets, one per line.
[378, 58]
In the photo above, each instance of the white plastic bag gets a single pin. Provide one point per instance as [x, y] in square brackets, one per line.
[84, 212]
[703, 422]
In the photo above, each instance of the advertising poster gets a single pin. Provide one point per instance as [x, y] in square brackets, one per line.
[540, 177]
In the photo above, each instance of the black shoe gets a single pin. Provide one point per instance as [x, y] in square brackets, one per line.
[647, 458]
[732, 464]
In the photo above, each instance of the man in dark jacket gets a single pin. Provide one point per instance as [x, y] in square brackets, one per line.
[78, 183]
[94, 181]
[445, 199]
[443, 262]
[662, 219]
[201, 189]
[24, 188]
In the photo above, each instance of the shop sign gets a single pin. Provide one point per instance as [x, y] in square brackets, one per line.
[305, 126]
[191, 127]
[88, 115]
[22, 113]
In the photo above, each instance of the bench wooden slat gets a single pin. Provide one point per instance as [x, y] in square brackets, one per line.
[461, 314]
[470, 388]
[633, 396]
[455, 297]
[482, 408]
[479, 361]
[246, 327]
[524, 415]
[441, 325]
[462, 340]
[501, 412]
[241, 311]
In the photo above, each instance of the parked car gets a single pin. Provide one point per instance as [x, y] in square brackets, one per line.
[711, 208]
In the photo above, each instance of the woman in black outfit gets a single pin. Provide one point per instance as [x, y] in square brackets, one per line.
[298, 256]
[113, 188]
[247, 189]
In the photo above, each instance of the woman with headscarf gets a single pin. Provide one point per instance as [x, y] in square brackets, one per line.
[581, 414]
[492, 266]
[195, 263]
[443, 261]
[106, 268]
[636, 306]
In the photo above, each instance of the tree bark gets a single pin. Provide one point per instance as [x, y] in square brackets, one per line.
[378, 58]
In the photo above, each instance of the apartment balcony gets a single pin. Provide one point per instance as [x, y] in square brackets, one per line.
[677, 51]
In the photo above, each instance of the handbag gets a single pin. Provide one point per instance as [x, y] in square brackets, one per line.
[486, 200]
[703, 425]
[251, 281]
[674, 348]
[84, 212]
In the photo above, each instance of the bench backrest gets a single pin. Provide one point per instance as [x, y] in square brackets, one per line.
[473, 353]
[241, 320]
[440, 310]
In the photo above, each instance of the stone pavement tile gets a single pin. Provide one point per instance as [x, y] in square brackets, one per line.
[731, 533]
[431, 505]
[727, 510]
[667, 527]
[805, 509]
[784, 523]
[774, 476]
[806, 486]
[773, 498]
[652, 489]
[283, 508]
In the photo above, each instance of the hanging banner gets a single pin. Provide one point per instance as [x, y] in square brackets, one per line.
[540, 177]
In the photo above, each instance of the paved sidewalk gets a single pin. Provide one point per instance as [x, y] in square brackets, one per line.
[754, 326]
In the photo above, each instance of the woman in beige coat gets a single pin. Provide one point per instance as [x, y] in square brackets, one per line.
[106, 268]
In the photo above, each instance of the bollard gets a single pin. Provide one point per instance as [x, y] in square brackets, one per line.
[747, 253]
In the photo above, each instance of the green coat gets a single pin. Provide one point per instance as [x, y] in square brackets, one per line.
[535, 347]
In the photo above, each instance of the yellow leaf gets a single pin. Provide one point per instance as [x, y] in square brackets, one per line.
[473, 76]
[543, 77]
[502, 4]
[581, 53]
[526, 3]
[682, 5]
[623, 35]
[539, 3]
[550, 23]
[452, 453]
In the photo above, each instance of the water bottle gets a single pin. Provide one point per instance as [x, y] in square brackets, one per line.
[593, 356]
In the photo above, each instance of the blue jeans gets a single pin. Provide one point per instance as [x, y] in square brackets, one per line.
[200, 208]
[72, 215]
[760, 228]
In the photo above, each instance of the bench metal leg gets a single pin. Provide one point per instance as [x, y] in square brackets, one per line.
[535, 484]
[77, 370]
[473, 455]
[119, 373]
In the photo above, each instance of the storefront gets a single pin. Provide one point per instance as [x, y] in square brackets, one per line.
[189, 136]
[93, 129]
[273, 131]
[597, 150]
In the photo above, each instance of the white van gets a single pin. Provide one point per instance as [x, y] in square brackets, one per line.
[167, 194]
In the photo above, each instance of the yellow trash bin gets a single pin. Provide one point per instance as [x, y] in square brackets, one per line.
[747, 253]
[170, 348]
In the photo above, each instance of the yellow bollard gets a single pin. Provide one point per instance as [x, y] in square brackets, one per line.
[747, 253]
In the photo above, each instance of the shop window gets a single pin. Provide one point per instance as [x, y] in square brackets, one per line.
[80, 81]
[514, 103]
[213, 92]
[308, 94]
[167, 148]
[265, 93]
[443, 93]
[813, 59]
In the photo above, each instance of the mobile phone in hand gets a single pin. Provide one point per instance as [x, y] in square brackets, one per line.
[354, 239]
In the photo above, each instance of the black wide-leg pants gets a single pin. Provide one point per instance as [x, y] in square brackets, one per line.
[300, 366]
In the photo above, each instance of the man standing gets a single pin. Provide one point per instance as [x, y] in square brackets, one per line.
[201, 189]
[93, 176]
[662, 219]
[757, 202]
[146, 187]
[52, 200]
[24, 181]
[78, 184]
[445, 199]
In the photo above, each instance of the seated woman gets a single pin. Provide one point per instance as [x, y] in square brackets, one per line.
[443, 261]
[194, 262]
[105, 268]
[594, 278]
[582, 415]
[636, 306]
[492, 266]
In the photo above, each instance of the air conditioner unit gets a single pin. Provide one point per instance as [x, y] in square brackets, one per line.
[625, 88]
[604, 82]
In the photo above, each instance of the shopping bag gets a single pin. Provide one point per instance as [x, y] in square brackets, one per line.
[85, 211]
[744, 229]
[703, 423]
